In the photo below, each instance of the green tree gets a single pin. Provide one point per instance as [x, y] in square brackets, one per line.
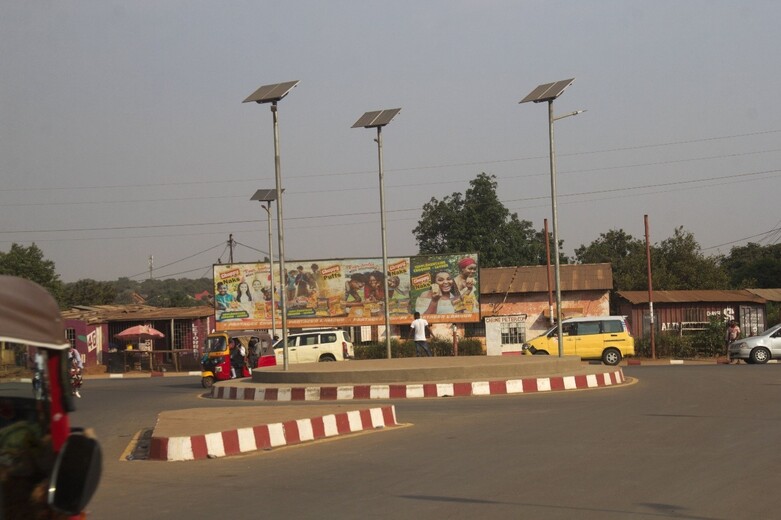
[679, 264]
[754, 266]
[478, 221]
[625, 253]
[89, 292]
[29, 263]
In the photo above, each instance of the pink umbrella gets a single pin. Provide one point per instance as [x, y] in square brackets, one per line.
[140, 333]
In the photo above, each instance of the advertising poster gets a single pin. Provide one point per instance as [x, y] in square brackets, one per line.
[445, 288]
[342, 292]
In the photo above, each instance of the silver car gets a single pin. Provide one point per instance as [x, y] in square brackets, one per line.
[760, 348]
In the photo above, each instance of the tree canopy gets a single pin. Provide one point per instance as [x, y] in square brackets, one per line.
[29, 263]
[478, 221]
[754, 266]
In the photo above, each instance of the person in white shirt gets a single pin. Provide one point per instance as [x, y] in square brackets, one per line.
[419, 328]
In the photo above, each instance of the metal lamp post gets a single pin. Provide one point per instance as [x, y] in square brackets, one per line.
[549, 92]
[268, 196]
[273, 94]
[377, 120]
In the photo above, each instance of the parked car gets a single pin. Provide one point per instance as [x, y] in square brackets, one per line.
[758, 349]
[603, 337]
[316, 345]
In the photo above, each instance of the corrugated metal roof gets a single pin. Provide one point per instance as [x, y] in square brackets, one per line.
[771, 295]
[135, 312]
[534, 278]
[635, 297]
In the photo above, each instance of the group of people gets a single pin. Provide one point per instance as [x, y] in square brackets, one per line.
[448, 294]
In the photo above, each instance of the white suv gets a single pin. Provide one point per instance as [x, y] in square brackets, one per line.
[316, 345]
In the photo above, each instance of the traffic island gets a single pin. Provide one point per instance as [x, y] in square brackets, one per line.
[182, 435]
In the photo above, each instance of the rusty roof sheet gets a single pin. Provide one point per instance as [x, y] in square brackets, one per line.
[714, 296]
[134, 312]
[771, 295]
[534, 278]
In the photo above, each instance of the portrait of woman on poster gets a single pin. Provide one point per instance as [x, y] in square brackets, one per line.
[257, 291]
[373, 290]
[467, 276]
[243, 297]
[442, 298]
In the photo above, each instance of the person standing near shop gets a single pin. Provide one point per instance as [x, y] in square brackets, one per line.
[420, 330]
[732, 334]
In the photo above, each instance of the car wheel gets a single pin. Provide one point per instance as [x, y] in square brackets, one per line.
[611, 356]
[327, 357]
[760, 355]
[207, 382]
[541, 353]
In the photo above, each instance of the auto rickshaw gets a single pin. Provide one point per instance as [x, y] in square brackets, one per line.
[48, 470]
[220, 348]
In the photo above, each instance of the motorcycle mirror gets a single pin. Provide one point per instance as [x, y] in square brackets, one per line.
[75, 475]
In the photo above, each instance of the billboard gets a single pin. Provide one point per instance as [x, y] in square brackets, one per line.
[348, 292]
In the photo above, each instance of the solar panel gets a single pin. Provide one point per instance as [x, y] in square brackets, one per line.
[265, 195]
[376, 118]
[271, 93]
[548, 91]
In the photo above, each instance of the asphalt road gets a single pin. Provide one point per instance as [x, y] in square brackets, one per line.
[695, 442]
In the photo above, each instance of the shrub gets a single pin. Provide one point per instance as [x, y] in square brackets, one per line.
[401, 349]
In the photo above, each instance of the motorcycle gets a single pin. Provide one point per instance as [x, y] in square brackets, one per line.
[47, 468]
[221, 360]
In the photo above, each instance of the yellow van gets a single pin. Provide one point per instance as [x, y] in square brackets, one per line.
[595, 337]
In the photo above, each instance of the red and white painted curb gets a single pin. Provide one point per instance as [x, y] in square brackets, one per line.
[269, 436]
[418, 390]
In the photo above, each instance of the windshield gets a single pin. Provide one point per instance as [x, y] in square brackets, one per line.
[215, 344]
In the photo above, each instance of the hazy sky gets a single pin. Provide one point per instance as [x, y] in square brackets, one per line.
[124, 134]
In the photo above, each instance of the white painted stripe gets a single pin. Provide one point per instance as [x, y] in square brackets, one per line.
[284, 394]
[260, 394]
[354, 418]
[514, 386]
[379, 392]
[276, 435]
[116, 376]
[247, 440]
[305, 430]
[329, 425]
[481, 388]
[607, 379]
[445, 390]
[378, 421]
[415, 391]
[312, 393]
[344, 393]
[591, 381]
[543, 384]
[570, 383]
[193, 373]
[180, 448]
[214, 445]
[676, 362]
[772, 361]
[393, 409]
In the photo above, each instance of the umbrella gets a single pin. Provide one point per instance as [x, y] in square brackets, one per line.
[140, 333]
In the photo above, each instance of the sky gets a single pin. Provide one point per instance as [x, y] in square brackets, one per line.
[123, 135]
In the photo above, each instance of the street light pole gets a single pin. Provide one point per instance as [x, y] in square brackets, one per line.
[377, 120]
[549, 92]
[273, 94]
[267, 207]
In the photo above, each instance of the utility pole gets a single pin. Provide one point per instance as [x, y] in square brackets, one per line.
[650, 289]
[230, 247]
[151, 265]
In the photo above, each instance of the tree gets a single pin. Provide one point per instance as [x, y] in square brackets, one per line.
[677, 263]
[89, 292]
[754, 266]
[28, 262]
[478, 221]
[625, 253]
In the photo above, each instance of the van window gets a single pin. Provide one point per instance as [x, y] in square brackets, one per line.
[328, 338]
[612, 326]
[309, 339]
[588, 327]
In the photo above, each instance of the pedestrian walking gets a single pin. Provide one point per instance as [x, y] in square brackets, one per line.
[420, 332]
[732, 334]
